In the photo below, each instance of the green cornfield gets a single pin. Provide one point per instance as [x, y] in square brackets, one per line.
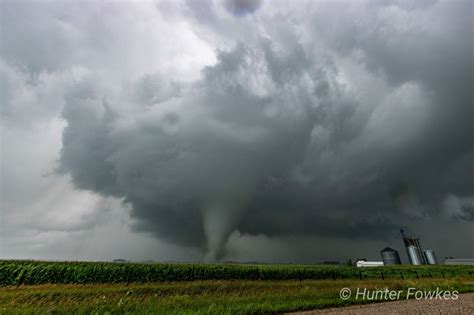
[18, 272]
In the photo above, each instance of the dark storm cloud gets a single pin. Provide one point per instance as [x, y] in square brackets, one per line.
[200, 166]
[318, 120]
[272, 142]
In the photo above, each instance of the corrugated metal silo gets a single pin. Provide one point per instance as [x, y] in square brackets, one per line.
[414, 252]
[390, 256]
[430, 257]
[414, 255]
[416, 242]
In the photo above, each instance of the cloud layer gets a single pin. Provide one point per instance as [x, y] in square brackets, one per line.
[290, 122]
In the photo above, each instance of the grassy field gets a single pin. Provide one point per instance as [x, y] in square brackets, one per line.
[200, 297]
[41, 272]
[202, 289]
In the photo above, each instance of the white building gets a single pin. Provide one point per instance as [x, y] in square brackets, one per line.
[459, 261]
[363, 263]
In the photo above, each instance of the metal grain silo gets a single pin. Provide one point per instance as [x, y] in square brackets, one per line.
[390, 257]
[414, 251]
[414, 255]
[430, 257]
[420, 250]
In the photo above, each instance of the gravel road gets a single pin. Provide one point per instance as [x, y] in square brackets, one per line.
[464, 305]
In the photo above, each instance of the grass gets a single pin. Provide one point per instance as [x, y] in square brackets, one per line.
[41, 272]
[200, 297]
[87, 287]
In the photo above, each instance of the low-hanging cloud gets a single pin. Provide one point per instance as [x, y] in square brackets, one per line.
[317, 119]
[273, 141]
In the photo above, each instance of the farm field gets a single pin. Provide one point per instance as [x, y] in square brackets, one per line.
[17, 272]
[59, 287]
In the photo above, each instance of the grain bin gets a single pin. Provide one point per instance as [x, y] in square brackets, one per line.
[414, 255]
[430, 257]
[390, 256]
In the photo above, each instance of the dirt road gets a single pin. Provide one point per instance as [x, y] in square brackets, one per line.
[464, 305]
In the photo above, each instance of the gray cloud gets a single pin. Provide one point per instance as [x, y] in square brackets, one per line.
[318, 121]
[242, 7]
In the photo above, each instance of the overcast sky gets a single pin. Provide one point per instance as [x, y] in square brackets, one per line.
[277, 131]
